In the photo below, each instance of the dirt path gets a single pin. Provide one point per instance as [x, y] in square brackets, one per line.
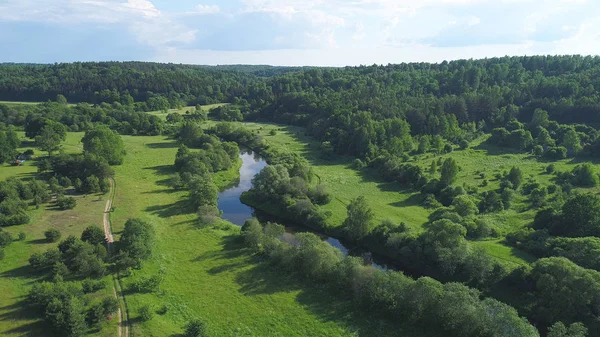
[121, 314]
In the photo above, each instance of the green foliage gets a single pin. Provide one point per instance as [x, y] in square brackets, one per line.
[584, 175]
[573, 330]
[146, 313]
[105, 143]
[52, 235]
[49, 137]
[9, 141]
[195, 328]
[148, 284]
[563, 291]
[571, 141]
[539, 118]
[464, 205]
[202, 191]
[358, 223]
[93, 235]
[515, 177]
[580, 217]
[65, 203]
[449, 171]
[90, 185]
[137, 239]
[228, 113]
[422, 301]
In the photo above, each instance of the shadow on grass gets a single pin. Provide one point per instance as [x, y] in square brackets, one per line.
[27, 143]
[414, 200]
[19, 310]
[38, 242]
[162, 169]
[263, 279]
[371, 176]
[168, 145]
[180, 207]
[23, 272]
[34, 329]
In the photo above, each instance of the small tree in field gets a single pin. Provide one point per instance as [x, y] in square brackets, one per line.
[358, 222]
[104, 143]
[195, 328]
[52, 235]
[449, 171]
[90, 185]
[94, 235]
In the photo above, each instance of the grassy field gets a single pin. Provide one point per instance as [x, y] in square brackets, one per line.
[16, 103]
[391, 201]
[209, 273]
[16, 277]
[163, 115]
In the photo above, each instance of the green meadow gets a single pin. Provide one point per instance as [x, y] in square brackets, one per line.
[394, 202]
[184, 110]
[209, 274]
[16, 277]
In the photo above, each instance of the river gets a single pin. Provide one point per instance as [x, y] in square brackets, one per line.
[237, 213]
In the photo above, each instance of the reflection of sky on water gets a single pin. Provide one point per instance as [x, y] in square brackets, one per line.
[236, 212]
[229, 200]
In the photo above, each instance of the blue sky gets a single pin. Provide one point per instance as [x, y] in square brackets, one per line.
[294, 32]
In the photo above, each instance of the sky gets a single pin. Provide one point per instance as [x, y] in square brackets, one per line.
[294, 32]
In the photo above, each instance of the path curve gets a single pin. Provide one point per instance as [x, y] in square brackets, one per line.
[122, 315]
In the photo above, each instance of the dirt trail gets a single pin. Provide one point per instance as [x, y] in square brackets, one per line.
[122, 315]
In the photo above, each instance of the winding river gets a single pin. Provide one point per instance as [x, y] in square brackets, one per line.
[237, 213]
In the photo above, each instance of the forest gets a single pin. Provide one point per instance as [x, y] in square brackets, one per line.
[419, 130]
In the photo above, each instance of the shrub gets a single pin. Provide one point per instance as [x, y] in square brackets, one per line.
[65, 203]
[146, 313]
[94, 235]
[65, 182]
[163, 309]
[319, 195]
[556, 153]
[358, 164]
[52, 235]
[195, 328]
[22, 236]
[91, 286]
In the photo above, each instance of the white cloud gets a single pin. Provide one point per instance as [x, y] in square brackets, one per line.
[334, 31]
[207, 9]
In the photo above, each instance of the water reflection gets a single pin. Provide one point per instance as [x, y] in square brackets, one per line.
[237, 212]
[229, 200]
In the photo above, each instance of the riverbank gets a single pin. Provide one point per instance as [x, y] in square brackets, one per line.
[209, 274]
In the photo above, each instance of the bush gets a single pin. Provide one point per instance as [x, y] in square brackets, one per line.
[91, 286]
[65, 203]
[52, 235]
[358, 164]
[163, 309]
[94, 235]
[22, 236]
[65, 182]
[319, 195]
[556, 153]
[195, 328]
[145, 313]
